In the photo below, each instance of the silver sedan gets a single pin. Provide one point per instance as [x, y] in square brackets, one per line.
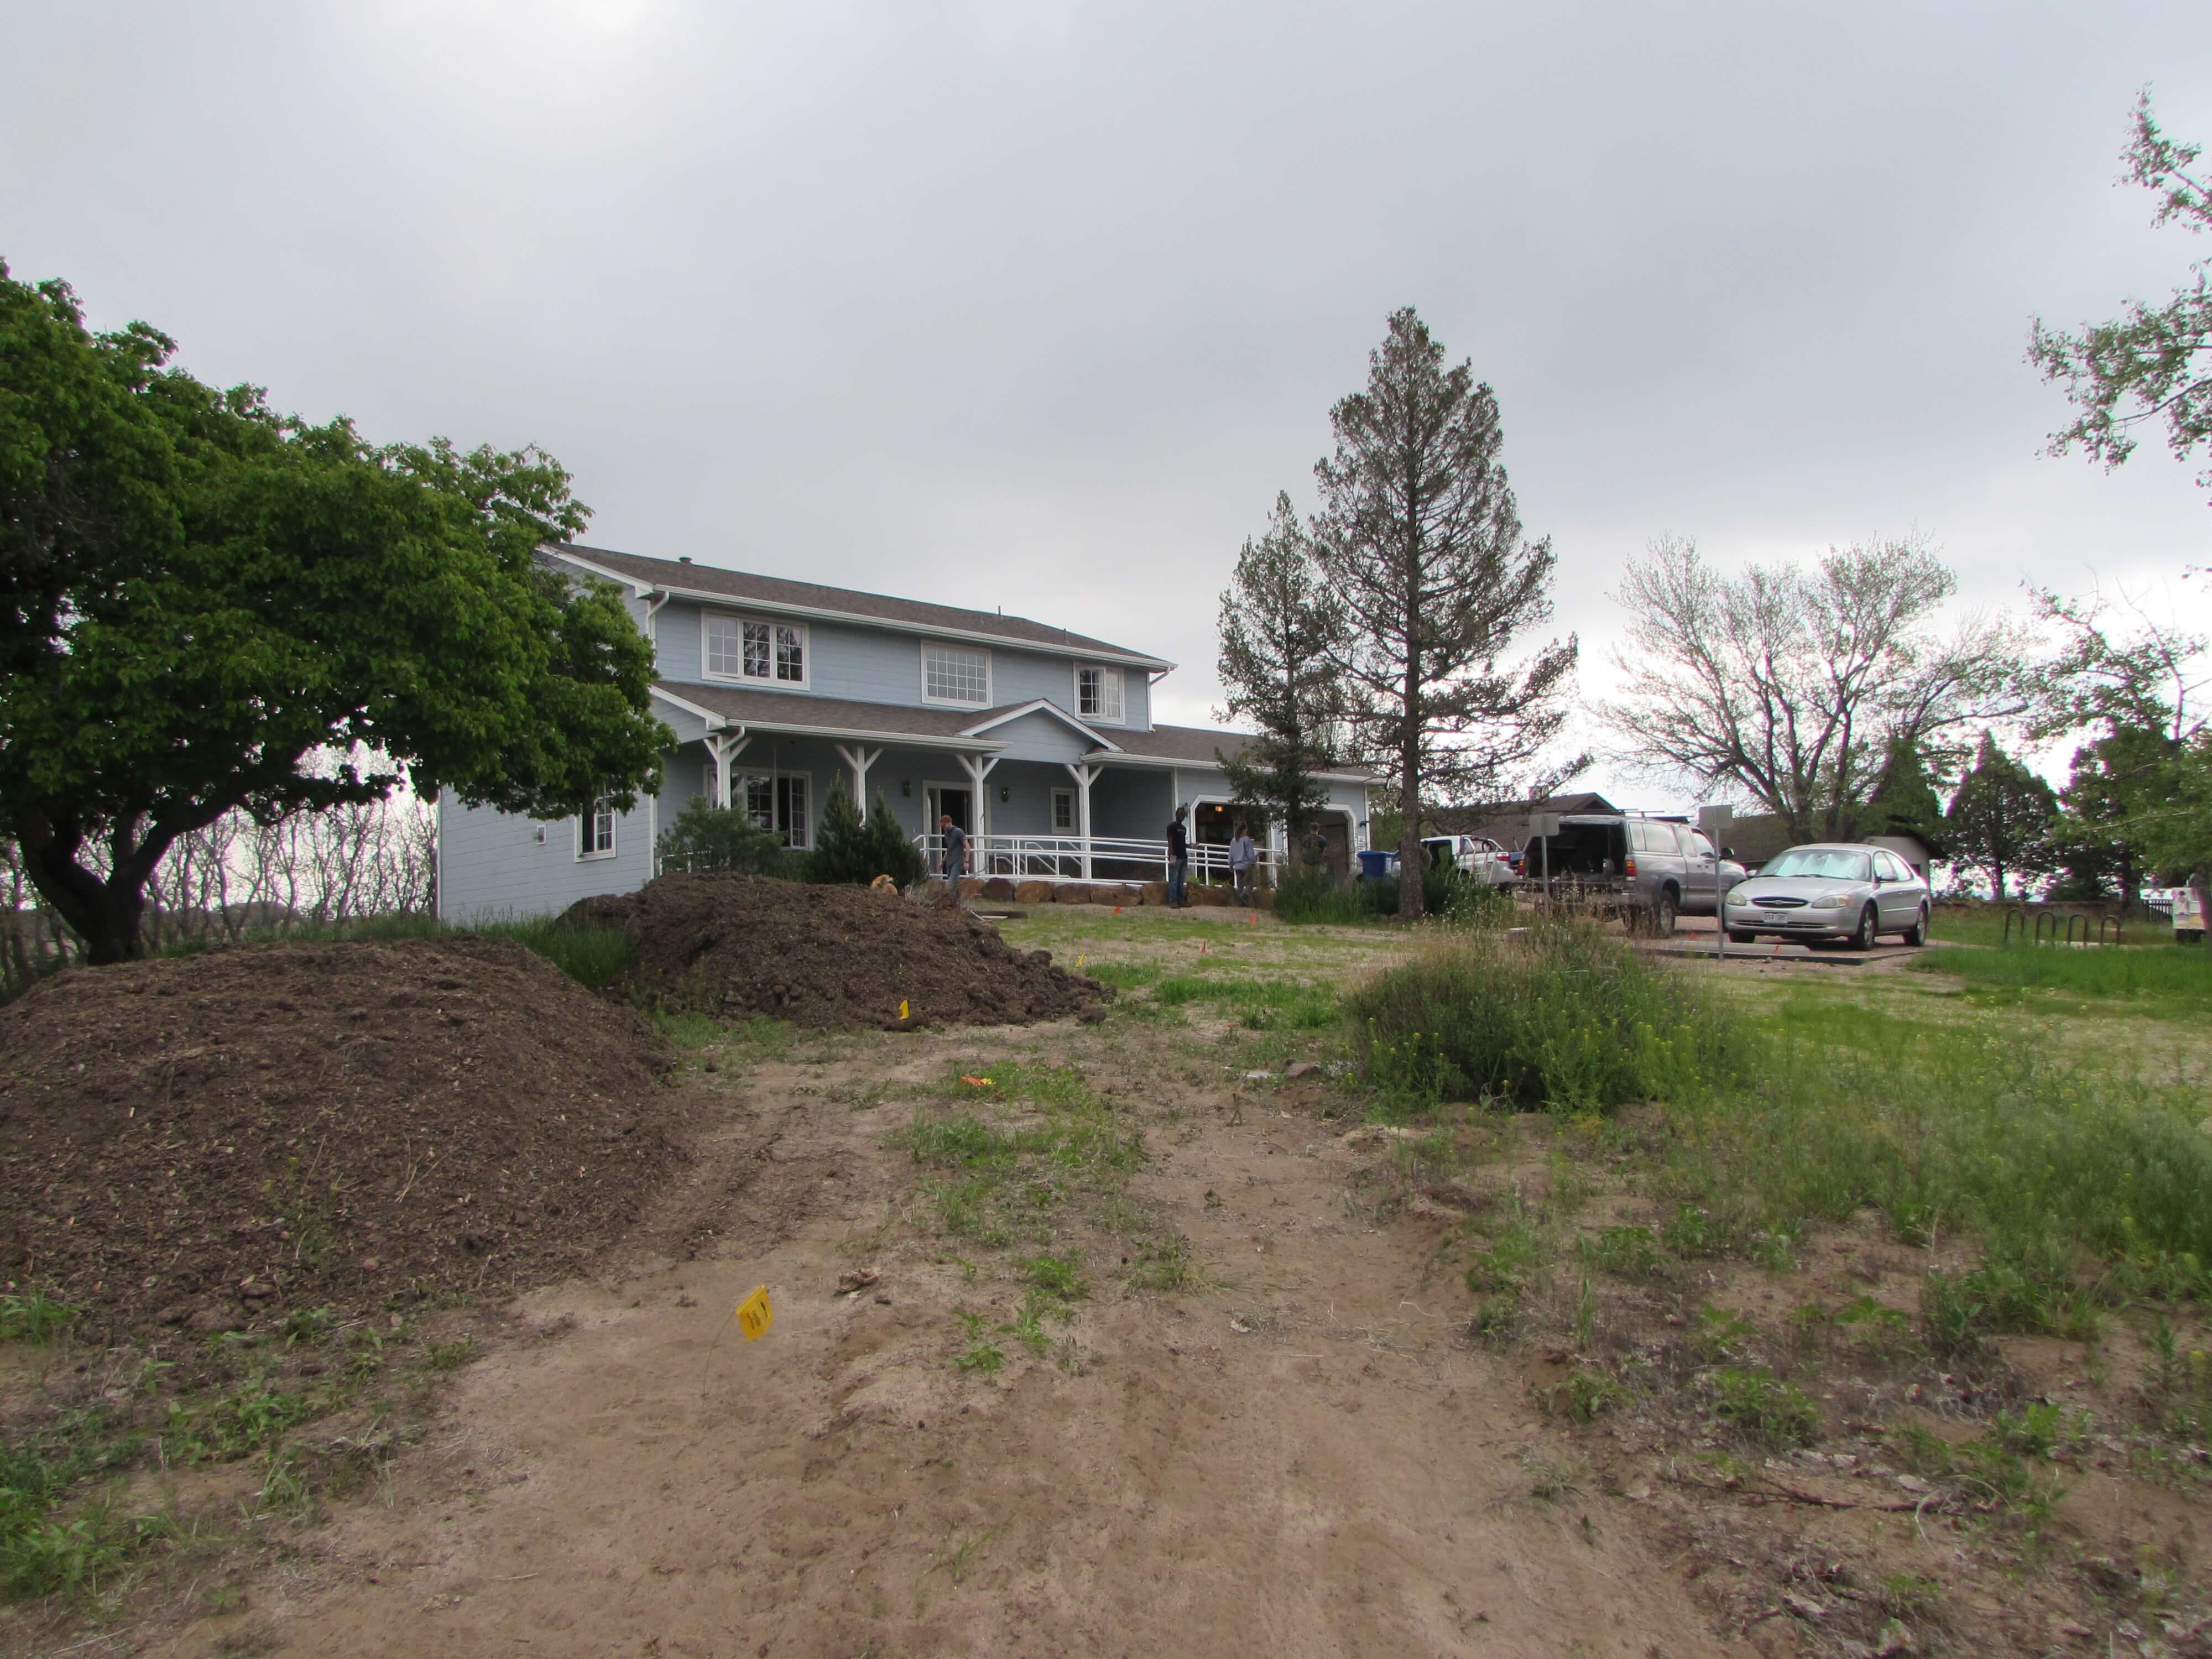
[1831, 892]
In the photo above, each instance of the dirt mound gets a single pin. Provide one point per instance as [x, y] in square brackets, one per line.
[209, 1142]
[829, 956]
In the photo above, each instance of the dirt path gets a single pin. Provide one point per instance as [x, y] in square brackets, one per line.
[1342, 1475]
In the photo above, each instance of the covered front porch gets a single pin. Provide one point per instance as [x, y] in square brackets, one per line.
[1040, 795]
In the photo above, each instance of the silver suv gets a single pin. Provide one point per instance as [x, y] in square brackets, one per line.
[1664, 867]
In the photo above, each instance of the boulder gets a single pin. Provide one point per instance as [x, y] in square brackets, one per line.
[1153, 892]
[1032, 892]
[1112, 893]
[998, 887]
[1201, 893]
[1264, 899]
[1071, 892]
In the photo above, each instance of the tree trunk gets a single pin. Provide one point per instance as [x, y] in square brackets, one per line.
[1998, 875]
[107, 915]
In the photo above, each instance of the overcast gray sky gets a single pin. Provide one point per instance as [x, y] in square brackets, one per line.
[1037, 304]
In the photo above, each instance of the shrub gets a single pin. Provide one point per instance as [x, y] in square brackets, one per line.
[720, 838]
[1558, 1016]
[850, 850]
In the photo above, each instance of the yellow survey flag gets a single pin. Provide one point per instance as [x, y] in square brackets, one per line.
[755, 1316]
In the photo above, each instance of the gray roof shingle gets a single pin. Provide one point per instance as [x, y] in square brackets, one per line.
[745, 585]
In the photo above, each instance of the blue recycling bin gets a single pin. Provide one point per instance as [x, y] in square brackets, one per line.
[1375, 866]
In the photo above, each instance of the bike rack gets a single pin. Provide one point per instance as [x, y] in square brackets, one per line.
[2041, 917]
[2112, 922]
[2015, 912]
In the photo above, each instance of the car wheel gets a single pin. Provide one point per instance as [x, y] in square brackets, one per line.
[1863, 940]
[1664, 912]
[1736, 937]
[1917, 933]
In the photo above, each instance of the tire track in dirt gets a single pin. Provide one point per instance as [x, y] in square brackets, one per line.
[1343, 1477]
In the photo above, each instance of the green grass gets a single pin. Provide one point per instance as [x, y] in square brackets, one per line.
[998, 1181]
[2072, 1178]
[40, 1552]
[33, 1317]
[1984, 924]
[2167, 981]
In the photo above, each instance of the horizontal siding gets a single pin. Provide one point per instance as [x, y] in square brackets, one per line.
[869, 665]
[491, 865]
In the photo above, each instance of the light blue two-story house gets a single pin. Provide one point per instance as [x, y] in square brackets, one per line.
[1038, 741]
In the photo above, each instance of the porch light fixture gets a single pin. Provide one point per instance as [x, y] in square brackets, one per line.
[906, 786]
[1005, 794]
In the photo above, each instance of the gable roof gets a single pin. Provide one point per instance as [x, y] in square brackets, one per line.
[781, 595]
[832, 717]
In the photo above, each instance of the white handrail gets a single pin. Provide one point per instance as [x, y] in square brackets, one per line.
[1066, 858]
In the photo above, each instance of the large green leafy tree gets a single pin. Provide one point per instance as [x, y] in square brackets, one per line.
[2139, 797]
[1280, 623]
[1419, 536]
[2001, 818]
[199, 597]
[2152, 364]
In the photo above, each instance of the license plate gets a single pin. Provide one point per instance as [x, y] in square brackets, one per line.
[1772, 916]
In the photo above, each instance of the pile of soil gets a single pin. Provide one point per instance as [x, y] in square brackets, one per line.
[729, 945]
[204, 1144]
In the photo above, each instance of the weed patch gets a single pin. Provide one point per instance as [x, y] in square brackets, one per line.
[1557, 1017]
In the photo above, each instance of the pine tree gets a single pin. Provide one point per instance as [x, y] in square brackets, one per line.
[1280, 623]
[2000, 821]
[1419, 536]
[1905, 798]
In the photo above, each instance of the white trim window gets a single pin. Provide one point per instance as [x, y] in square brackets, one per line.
[595, 832]
[956, 674]
[1098, 693]
[781, 801]
[1063, 811]
[748, 649]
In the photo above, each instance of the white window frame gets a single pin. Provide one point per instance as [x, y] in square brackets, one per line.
[1074, 823]
[1119, 716]
[587, 825]
[928, 646]
[708, 616]
[747, 775]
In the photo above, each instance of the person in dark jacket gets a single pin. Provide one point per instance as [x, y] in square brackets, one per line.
[1178, 858]
[955, 851]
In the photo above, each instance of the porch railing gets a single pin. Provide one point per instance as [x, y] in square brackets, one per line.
[1081, 857]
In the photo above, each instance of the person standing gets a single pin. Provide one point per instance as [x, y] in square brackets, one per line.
[1244, 857]
[1178, 858]
[955, 852]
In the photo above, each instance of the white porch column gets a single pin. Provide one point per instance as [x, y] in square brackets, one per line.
[1084, 774]
[859, 757]
[723, 747]
[978, 768]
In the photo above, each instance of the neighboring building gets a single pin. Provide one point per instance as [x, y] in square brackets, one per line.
[1039, 742]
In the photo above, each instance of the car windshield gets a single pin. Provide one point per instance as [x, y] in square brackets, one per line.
[1829, 863]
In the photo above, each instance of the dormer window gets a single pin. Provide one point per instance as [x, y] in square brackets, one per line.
[1098, 694]
[956, 674]
[746, 648]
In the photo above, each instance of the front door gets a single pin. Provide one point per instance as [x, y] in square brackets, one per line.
[960, 801]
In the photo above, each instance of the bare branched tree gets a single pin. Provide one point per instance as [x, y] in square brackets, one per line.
[1790, 684]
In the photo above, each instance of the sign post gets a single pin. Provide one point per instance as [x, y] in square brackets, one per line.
[1714, 821]
[1544, 826]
